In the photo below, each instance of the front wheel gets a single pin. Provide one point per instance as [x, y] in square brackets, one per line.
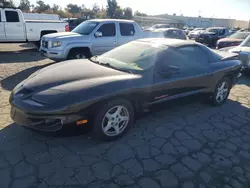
[78, 54]
[221, 92]
[113, 120]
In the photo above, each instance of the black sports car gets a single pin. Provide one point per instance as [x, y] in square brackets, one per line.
[109, 89]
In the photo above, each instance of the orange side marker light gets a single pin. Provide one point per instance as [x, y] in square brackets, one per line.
[80, 122]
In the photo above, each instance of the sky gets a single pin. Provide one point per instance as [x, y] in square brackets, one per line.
[235, 9]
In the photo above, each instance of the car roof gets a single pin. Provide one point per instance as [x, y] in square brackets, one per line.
[168, 42]
[217, 28]
[165, 29]
[111, 20]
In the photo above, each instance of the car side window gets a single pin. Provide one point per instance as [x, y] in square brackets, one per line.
[127, 29]
[11, 16]
[170, 57]
[222, 32]
[108, 30]
[194, 54]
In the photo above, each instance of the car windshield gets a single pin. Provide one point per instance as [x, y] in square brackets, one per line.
[85, 28]
[246, 42]
[142, 56]
[239, 35]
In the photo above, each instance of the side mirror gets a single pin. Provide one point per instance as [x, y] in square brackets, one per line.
[98, 34]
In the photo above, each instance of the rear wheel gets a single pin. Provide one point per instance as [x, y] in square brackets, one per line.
[113, 120]
[221, 92]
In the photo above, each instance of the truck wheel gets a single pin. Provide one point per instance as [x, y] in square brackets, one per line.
[78, 54]
[113, 119]
[37, 44]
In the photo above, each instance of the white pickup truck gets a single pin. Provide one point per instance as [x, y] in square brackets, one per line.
[13, 27]
[92, 37]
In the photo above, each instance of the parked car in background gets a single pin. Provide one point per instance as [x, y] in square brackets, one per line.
[211, 35]
[243, 51]
[91, 37]
[195, 33]
[13, 27]
[73, 22]
[108, 90]
[232, 40]
[157, 26]
[188, 30]
[171, 33]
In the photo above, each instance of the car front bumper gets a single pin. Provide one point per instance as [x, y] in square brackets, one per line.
[56, 55]
[41, 122]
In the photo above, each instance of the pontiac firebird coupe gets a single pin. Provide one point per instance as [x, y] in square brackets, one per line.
[107, 90]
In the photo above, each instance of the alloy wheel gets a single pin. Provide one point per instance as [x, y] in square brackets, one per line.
[222, 91]
[115, 120]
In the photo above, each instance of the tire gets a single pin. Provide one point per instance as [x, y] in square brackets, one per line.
[109, 117]
[78, 54]
[37, 44]
[220, 94]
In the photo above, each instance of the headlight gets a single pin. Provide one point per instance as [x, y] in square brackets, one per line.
[56, 44]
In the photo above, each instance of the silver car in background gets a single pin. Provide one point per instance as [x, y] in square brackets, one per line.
[244, 53]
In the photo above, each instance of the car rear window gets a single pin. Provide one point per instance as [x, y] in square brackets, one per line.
[127, 29]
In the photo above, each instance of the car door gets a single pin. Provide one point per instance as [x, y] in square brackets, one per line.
[104, 39]
[2, 29]
[179, 72]
[126, 33]
[14, 27]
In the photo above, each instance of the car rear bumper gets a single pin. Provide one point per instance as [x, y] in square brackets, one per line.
[53, 54]
[47, 123]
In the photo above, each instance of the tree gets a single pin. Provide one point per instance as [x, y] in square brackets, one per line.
[137, 13]
[42, 7]
[127, 13]
[112, 7]
[55, 8]
[118, 13]
[96, 8]
[9, 3]
[24, 5]
[74, 9]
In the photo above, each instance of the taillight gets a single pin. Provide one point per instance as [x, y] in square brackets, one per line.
[67, 28]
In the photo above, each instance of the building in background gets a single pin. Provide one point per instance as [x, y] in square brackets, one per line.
[148, 21]
[207, 22]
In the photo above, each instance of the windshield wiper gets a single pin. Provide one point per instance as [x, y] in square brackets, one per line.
[113, 67]
[94, 59]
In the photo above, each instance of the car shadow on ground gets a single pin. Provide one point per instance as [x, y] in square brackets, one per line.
[10, 82]
[23, 56]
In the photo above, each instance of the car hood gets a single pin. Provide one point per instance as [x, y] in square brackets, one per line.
[73, 79]
[236, 49]
[65, 35]
[230, 40]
